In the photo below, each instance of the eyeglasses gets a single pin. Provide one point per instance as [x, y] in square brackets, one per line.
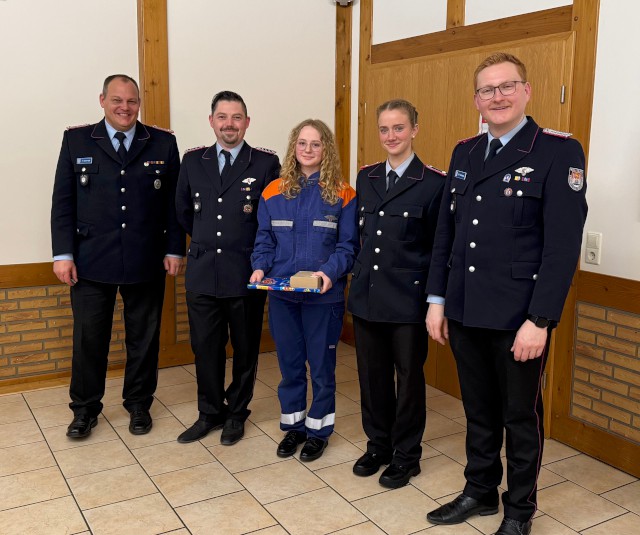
[506, 89]
[315, 145]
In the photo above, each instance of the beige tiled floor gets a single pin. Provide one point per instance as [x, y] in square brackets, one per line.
[117, 483]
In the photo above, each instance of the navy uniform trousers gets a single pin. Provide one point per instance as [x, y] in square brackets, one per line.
[93, 305]
[306, 331]
[394, 423]
[499, 393]
[212, 320]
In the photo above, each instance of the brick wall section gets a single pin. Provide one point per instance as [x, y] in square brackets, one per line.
[606, 371]
[36, 332]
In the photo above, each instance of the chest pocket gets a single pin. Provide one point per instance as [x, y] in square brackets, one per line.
[84, 173]
[249, 207]
[155, 174]
[526, 198]
[458, 191]
[405, 221]
[326, 227]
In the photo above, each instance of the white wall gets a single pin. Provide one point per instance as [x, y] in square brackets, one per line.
[278, 54]
[482, 10]
[614, 153]
[614, 157]
[54, 58]
[399, 19]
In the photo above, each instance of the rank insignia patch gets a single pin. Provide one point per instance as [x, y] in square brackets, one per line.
[576, 178]
[506, 178]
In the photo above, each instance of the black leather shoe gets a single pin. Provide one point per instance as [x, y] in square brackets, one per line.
[289, 444]
[140, 423]
[313, 449]
[232, 432]
[369, 464]
[510, 526]
[81, 426]
[458, 510]
[198, 430]
[396, 475]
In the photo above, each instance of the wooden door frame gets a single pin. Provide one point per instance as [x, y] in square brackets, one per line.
[581, 18]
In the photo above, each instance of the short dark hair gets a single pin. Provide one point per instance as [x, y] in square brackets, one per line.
[227, 95]
[123, 77]
[399, 104]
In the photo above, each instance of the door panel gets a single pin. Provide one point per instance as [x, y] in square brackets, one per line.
[441, 87]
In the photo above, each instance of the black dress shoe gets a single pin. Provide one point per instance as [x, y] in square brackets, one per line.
[313, 449]
[140, 423]
[289, 444]
[511, 526]
[198, 430]
[232, 432]
[396, 475]
[81, 426]
[458, 510]
[369, 464]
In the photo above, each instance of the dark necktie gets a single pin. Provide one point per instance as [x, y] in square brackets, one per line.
[393, 177]
[494, 146]
[227, 164]
[122, 150]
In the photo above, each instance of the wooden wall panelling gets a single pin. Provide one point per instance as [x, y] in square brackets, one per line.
[455, 13]
[153, 57]
[344, 16]
[606, 291]
[366, 26]
[540, 23]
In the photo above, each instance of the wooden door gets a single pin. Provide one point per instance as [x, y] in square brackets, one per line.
[441, 87]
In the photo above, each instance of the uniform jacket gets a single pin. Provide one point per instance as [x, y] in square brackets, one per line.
[222, 218]
[508, 237]
[396, 231]
[307, 234]
[118, 221]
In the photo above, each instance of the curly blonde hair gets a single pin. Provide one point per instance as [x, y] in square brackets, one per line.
[331, 182]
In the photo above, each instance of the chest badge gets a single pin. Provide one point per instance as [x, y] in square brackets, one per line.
[157, 183]
[249, 181]
[524, 170]
[331, 218]
[506, 178]
[508, 192]
[462, 175]
[247, 208]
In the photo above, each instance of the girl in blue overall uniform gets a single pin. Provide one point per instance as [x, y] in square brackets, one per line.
[307, 221]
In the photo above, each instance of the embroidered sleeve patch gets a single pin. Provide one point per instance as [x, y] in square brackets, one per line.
[576, 178]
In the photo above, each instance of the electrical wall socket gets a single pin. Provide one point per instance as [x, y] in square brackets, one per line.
[593, 250]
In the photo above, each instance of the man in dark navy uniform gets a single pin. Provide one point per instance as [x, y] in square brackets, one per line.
[217, 203]
[113, 229]
[506, 247]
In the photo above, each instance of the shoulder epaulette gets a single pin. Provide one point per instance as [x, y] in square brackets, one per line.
[163, 129]
[435, 169]
[268, 151]
[195, 148]
[460, 142]
[77, 126]
[556, 133]
[370, 165]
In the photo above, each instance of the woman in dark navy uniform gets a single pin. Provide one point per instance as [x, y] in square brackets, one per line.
[398, 203]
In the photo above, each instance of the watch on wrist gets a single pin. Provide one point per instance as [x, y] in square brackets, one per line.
[539, 321]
